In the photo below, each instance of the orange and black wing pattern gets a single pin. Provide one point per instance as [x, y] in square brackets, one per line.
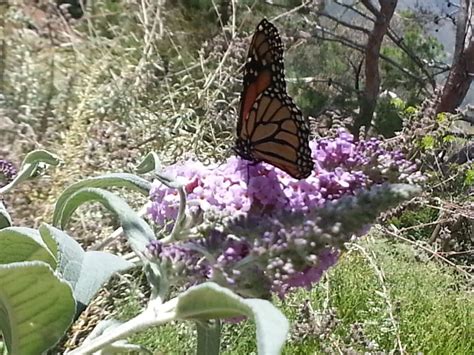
[271, 128]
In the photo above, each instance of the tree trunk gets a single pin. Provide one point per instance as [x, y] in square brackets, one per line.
[459, 81]
[462, 68]
[368, 99]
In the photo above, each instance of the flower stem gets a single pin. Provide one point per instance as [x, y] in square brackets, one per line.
[209, 337]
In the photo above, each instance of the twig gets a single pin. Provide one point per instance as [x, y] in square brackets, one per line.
[295, 9]
[344, 23]
[457, 252]
[437, 229]
[448, 210]
[422, 225]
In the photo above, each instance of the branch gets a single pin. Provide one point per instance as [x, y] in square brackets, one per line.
[330, 82]
[355, 10]
[344, 23]
[418, 245]
[415, 59]
[368, 4]
[372, 58]
[359, 47]
[391, 34]
[461, 74]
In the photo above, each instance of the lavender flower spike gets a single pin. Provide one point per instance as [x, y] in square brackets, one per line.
[295, 249]
[259, 255]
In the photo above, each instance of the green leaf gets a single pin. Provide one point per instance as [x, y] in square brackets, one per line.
[398, 103]
[449, 138]
[441, 117]
[428, 142]
[5, 219]
[24, 244]
[211, 301]
[29, 167]
[40, 156]
[86, 272]
[138, 232]
[151, 162]
[110, 180]
[36, 308]
[410, 110]
[469, 178]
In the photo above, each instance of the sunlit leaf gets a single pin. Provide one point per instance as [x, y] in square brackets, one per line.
[36, 307]
[211, 301]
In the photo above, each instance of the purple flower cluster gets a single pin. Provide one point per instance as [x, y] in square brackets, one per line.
[341, 167]
[277, 233]
[7, 172]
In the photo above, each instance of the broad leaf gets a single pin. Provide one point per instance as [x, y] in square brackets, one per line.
[36, 307]
[211, 301]
[40, 156]
[24, 244]
[5, 219]
[29, 167]
[85, 271]
[138, 232]
[110, 180]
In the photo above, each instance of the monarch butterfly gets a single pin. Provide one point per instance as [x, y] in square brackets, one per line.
[271, 128]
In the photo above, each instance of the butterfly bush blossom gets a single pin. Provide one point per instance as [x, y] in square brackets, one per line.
[7, 172]
[267, 232]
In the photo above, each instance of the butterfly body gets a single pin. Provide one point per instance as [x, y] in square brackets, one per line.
[271, 127]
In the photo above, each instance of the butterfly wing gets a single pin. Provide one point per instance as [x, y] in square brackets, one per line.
[263, 67]
[277, 133]
[271, 128]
